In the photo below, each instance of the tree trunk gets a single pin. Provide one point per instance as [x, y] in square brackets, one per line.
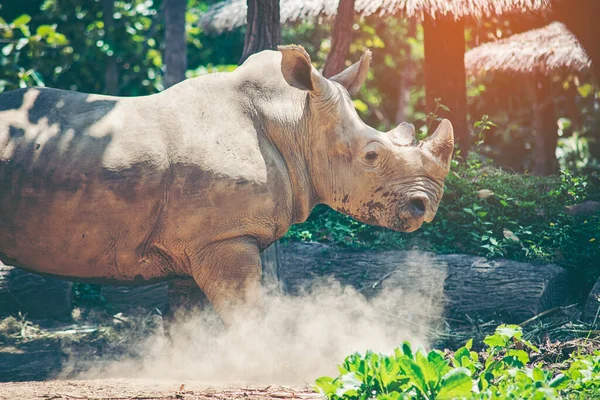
[263, 31]
[544, 126]
[175, 42]
[111, 74]
[581, 17]
[407, 75]
[445, 76]
[34, 295]
[341, 39]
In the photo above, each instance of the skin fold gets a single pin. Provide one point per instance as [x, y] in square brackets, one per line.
[195, 181]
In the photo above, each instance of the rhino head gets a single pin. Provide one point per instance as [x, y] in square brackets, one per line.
[379, 178]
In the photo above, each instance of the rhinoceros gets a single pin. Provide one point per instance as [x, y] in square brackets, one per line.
[194, 182]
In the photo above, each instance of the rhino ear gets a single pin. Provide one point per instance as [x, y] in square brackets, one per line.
[353, 77]
[297, 68]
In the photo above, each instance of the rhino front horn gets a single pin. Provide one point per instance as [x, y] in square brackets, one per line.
[441, 144]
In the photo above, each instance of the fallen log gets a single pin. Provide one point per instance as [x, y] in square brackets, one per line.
[466, 285]
[131, 297]
[35, 295]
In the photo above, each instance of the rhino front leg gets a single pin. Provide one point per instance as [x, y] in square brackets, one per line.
[184, 295]
[229, 273]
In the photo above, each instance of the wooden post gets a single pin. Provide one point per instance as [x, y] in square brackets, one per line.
[175, 42]
[270, 269]
[341, 39]
[581, 17]
[445, 76]
[407, 75]
[544, 126]
[111, 74]
[263, 31]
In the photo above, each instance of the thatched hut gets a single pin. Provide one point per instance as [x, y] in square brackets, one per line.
[231, 14]
[534, 56]
[443, 21]
[539, 51]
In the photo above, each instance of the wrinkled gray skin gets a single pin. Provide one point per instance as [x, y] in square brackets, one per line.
[197, 180]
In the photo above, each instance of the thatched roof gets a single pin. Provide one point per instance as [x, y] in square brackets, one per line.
[231, 14]
[540, 50]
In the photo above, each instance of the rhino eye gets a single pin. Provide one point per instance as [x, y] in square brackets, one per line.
[371, 156]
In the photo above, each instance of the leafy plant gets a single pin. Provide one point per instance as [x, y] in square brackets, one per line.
[501, 371]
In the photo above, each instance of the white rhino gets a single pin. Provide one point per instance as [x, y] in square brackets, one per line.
[195, 181]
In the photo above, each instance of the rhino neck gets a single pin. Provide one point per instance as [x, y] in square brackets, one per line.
[282, 114]
[292, 143]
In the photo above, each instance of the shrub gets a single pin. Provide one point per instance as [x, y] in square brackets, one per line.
[501, 371]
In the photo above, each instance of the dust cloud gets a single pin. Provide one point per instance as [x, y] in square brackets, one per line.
[293, 340]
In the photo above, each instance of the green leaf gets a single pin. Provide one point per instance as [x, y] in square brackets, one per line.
[407, 350]
[415, 374]
[326, 385]
[469, 344]
[509, 331]
[460, 353]
[45, 30]
[559, 382]
[6, 50]
[391, 396]
[436, 358]
[495, 341]
[538, 374]
[350, 384]
[21, 20]
[360, 105]
[520, 355]
[585, 90]
[430, 372]
[455, 384]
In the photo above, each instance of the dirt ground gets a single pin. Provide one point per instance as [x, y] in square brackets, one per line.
[117, 389]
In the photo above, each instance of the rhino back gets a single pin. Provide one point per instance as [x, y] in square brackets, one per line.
[72, 169]
[122, 188]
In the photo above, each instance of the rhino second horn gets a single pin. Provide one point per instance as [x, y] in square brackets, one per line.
[441, 144]
[403, 134]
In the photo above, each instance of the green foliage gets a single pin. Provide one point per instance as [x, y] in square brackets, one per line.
[65, 44]
[19, 45]
[501, 371]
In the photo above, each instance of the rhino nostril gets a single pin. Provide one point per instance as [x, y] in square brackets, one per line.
[418, 205]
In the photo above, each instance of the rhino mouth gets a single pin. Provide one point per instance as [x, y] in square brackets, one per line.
[404, 224]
